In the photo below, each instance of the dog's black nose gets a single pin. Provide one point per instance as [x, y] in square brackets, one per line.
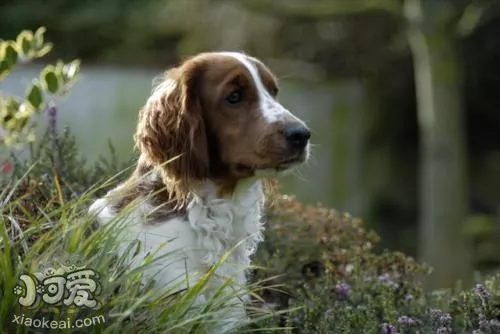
[297, 135]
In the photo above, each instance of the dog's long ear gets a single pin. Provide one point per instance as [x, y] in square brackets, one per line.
[171, 133]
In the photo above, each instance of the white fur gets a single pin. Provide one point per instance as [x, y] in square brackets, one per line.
[211, 228]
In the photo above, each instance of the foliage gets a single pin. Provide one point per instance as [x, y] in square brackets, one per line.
[54, 80]
[326, 262]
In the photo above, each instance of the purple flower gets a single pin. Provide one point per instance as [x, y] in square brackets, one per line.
[386, 280]
[482, 292]
[343, 290]
[406, 321]
[443, 330]
[52, 118]
[495, 323]
[435, 313]
[52, 127]
[483, 322]
[388, 329]
[445, 319]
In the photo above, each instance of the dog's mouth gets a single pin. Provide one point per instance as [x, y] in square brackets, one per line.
[289, 163]
[280, 166]
[242, 169]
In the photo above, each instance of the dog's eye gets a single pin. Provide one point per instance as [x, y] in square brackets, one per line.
[274, 91]
[235, 97]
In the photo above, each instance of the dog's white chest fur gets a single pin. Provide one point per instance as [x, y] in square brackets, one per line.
[212, 228]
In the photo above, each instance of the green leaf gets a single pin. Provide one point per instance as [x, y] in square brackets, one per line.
[9, 53]
[59, 69]
[23, 41]
[12, 103]
[470, 18]
[35, 97]
[38, 37]
[5, 115]
[44, 50]
[4, 69]
[9, 109]
[50, 80]
[21, 123]
[479, 225]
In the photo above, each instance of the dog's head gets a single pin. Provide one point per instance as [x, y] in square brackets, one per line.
[216, 116]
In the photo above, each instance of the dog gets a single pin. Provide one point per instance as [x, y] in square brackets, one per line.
[209, 136]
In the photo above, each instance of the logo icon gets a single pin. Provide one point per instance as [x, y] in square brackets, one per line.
[67, 286]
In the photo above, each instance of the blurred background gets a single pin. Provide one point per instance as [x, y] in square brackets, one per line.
[402, 97]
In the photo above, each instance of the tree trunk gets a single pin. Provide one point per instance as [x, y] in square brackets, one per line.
[443, 171]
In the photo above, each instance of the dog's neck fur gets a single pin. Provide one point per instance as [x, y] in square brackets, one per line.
[221, 214]
[221, 223]
[154, 182]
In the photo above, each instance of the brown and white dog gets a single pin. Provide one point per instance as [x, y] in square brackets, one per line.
[208, 135]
